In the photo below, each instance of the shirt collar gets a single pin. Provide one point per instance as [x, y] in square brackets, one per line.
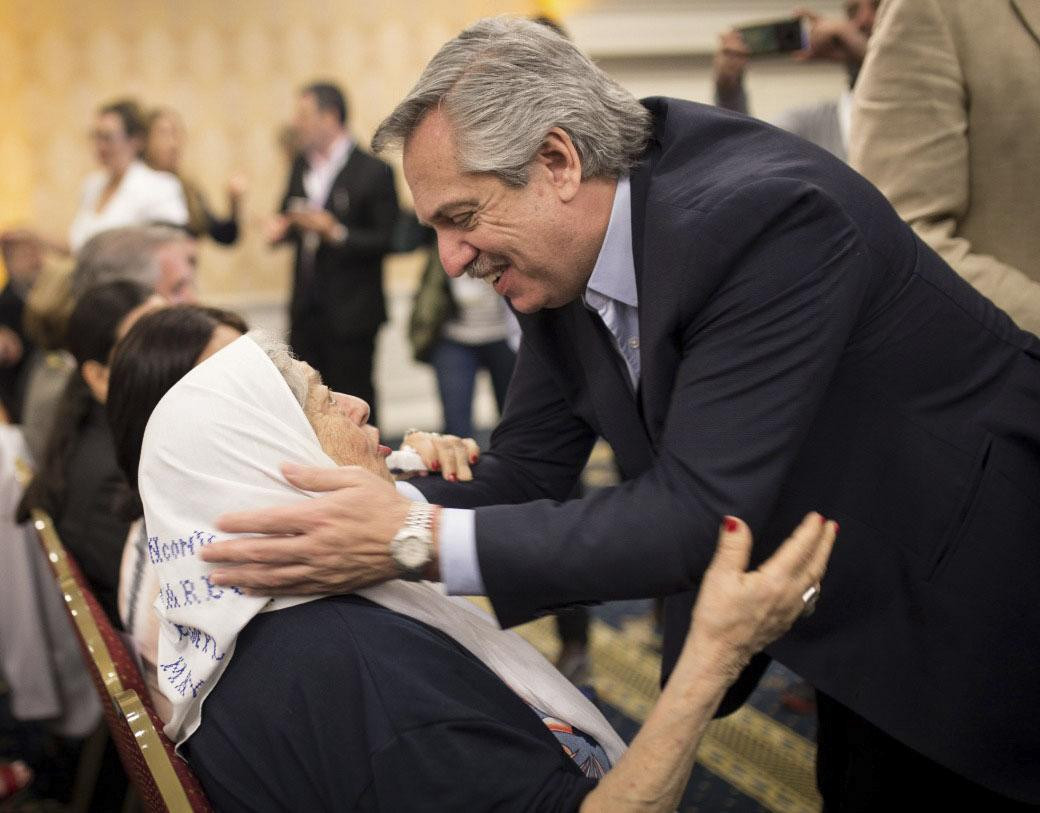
[337, 154]
[614, 275]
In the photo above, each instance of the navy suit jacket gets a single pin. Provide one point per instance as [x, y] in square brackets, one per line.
[802, 350]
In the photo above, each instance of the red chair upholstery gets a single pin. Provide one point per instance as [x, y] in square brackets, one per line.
[162, 779]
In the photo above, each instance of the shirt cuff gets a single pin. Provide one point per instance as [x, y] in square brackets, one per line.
[460, 569]
[406, 489]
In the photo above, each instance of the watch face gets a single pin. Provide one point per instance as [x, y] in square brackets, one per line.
[412, 551]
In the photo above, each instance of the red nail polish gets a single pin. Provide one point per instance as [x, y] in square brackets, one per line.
[436, 464]
[472, 458]
[454, 478]
[731, 524]
[837, 527]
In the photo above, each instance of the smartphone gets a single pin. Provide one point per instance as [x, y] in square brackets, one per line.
[776, 37]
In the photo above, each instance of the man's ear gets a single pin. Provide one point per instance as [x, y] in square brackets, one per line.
[558, 157]
[95, 374]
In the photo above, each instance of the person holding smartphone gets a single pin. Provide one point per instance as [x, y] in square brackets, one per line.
[825, 39]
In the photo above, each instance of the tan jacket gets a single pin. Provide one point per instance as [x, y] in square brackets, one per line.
[946, 122]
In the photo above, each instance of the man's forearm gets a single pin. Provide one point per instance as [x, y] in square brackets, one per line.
[653, 773]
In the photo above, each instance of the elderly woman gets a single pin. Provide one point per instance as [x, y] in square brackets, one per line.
[396, 697]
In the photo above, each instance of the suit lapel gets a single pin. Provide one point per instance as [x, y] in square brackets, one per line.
[610, 390]
[658, 357]
[339, 193]
[1028, 12]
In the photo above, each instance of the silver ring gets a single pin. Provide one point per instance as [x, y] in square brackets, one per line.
[810, 597]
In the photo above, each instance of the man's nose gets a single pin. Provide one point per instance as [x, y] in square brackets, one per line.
[455, 254]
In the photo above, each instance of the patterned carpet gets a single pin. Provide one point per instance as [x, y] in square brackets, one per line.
[759, 759]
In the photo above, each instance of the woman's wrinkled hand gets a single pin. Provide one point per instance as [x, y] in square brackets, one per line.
[738, 612]
[450, 455]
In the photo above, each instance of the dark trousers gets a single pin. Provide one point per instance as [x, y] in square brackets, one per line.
[456, 365]
[345, 363]
[860, 768]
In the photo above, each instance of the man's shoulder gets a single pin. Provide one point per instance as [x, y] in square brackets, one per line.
[700, 157]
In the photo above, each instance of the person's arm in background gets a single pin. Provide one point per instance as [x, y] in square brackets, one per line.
[278, 228]
[728, 66]
[225, 230]
[736, 615]
[910, 137]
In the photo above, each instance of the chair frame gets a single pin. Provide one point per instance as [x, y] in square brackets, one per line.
[128, 703]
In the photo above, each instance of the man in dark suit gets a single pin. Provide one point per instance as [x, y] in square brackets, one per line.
[339, 211]
[755, 331]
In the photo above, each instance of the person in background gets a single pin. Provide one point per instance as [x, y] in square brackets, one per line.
[78, 481]
[21, 256]
[944, 123]
[163, 151]
[339, 211]
[124, 191]
[461, 326]
[161, 258]
[830, 40]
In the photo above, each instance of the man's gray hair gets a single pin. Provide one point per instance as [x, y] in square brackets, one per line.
[128, 253]
[282, 357]
[504, 83]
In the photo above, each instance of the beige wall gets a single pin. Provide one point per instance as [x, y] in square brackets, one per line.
[231, 69]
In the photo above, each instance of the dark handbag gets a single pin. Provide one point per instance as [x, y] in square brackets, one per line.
[433, 306]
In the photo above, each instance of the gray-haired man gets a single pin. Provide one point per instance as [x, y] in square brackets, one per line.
[755, 331]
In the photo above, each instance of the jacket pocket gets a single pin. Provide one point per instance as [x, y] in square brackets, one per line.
[968, 506]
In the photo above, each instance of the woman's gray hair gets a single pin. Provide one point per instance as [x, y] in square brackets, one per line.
[504, 83]
[282, 357]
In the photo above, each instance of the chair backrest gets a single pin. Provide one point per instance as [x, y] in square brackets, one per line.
[164, 781]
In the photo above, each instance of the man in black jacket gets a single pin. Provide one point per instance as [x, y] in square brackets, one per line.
[339, 211]
[755, 331]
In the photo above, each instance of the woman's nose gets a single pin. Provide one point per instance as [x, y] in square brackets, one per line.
[356, 408]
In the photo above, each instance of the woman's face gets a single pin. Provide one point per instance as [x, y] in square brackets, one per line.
[341, 423]
[165, 143]
[113, 148]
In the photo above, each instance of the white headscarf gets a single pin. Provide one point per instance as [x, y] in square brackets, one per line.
[214, 444]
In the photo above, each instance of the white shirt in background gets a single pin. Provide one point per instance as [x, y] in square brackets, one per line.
[143, 196]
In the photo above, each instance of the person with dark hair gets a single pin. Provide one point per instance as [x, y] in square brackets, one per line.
[163, 150]
[78, 482]
[326, 703]
[124, 191]
[339, 212]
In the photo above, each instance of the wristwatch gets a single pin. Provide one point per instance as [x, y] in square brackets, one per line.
[412, 546]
